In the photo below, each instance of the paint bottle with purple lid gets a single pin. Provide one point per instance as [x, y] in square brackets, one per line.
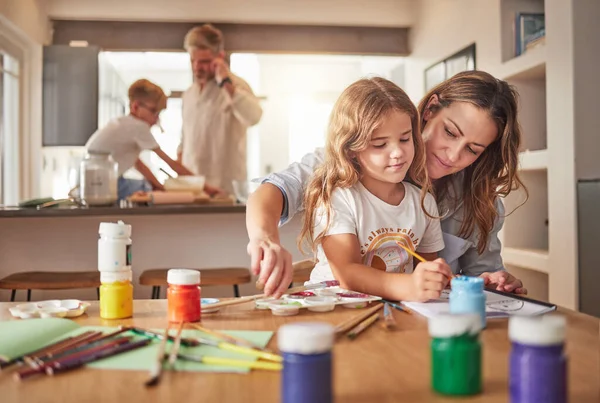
[307, 362]
[538, 365]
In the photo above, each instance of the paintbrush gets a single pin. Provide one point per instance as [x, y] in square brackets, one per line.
[388, 317]
[417, 256]
[78, 341]
[241, 300]
[43, 350]
[353, 321]
[354, 332]
[175, 348]
[185, 341]
[241, 350]
[400, 307]
[98, 355]
[156, 370]
[230, 362]
[229, 338]
[72, 349]
[90, 349]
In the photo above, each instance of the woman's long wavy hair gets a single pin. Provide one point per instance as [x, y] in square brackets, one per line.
[358, 112]
[495, 173]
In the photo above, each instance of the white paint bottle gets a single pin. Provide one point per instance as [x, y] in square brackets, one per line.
[114, 246]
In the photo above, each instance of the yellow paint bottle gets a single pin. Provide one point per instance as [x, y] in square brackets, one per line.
[116, 294]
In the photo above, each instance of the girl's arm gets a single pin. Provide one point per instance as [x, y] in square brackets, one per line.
[343, 254]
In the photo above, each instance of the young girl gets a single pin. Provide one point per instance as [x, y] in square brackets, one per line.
[364, 200]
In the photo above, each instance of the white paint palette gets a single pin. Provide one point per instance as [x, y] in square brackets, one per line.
[56, 308]
[319, 300]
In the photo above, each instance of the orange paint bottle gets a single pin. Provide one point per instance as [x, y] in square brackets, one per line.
[183, 295]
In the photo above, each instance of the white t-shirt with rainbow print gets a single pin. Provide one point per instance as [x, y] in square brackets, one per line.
[379, 227]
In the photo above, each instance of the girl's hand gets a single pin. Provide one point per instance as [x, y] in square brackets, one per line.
[429, 279]
[272, 263]
[502, 280]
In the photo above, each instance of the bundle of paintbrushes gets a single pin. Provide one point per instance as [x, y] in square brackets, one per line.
[74, 352]
[223, 341]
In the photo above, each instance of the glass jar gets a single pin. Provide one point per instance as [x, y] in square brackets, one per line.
[98, 179]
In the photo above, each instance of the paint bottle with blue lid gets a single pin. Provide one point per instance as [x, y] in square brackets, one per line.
[307, 374]
[467, 296]
[455, 354]
[538, 365]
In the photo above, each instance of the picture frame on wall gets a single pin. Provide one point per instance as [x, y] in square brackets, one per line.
[462, 60]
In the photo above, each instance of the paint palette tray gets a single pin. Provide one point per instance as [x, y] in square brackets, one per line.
[56, 308]
[318, 300]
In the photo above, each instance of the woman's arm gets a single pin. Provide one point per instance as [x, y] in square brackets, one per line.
[275, 202]
[292, 182]
[489, 264]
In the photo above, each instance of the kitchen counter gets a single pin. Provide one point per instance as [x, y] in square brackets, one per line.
[14, 212]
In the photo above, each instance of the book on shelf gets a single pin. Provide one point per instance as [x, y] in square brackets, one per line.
[529, 27]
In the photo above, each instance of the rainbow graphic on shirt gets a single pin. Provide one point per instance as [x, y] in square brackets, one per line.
[383, 253]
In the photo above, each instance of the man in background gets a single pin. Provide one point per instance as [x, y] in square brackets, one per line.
[217, 110]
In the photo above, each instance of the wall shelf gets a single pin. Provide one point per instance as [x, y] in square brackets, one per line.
[531, 65]
[534, 259]
[533, 160]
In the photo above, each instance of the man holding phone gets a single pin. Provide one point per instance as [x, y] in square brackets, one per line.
[217, 110]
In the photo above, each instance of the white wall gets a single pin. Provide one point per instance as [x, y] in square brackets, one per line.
[29, 16]
[25, 24]
[392, 13]
[305, 85]
[444, 27]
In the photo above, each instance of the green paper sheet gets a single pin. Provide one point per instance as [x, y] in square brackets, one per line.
[142, 359]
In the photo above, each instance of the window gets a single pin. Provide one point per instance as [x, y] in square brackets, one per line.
[9, 128]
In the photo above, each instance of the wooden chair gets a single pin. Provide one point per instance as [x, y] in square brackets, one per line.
[302, 270]
[219, 276]
[50, 280]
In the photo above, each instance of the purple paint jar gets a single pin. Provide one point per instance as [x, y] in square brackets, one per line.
[538, 365]
[307, 367]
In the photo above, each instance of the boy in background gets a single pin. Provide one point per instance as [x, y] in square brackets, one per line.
[127, 136]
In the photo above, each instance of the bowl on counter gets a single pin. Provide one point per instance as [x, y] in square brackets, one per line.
[243, 189]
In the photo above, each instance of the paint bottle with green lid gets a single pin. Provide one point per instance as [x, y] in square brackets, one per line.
[455, 354]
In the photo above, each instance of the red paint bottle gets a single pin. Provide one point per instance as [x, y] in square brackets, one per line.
[183, 295]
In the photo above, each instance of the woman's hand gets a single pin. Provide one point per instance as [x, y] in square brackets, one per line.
[502, 280]
[429, 279]
[272, 263]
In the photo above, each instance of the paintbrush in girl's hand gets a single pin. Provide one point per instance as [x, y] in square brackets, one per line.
[156, 370]
[417, 256]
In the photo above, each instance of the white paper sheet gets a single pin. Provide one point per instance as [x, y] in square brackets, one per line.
[497, 306]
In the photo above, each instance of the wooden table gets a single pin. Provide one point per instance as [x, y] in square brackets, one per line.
[378, 366]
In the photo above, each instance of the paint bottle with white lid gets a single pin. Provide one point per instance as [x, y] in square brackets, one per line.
[307, 362]
[114, 246]
[538, 364]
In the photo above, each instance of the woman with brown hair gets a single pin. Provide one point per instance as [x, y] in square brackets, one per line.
[472, 135]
